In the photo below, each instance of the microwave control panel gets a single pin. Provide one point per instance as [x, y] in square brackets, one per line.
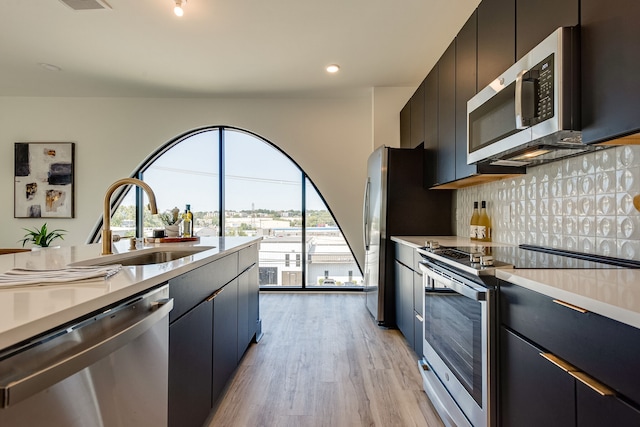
[542, 76]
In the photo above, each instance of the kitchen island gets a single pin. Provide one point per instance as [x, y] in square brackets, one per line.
[29, 311]
[212, 286]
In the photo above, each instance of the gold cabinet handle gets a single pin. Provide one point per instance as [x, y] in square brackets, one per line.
[592, 383]
[584, 378]
[213, 295]
[571, 306]
[562, 364]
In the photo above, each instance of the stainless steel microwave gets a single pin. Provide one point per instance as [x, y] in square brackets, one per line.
[530, 114]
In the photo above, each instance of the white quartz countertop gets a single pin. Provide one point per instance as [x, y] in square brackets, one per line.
[613, 293]
[29, 311]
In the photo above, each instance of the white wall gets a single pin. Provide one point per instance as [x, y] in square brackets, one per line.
[386, 106]
[330, 139]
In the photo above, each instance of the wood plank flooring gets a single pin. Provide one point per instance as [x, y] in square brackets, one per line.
[324, 362]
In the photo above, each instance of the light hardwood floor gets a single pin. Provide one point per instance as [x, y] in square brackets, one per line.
[324, 362]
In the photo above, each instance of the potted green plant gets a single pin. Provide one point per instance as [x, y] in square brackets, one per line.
[42, 237]
[171, 219]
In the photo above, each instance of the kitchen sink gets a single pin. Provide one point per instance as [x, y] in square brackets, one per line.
[144, 256]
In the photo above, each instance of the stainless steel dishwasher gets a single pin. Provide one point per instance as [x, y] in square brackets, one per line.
[107, 370]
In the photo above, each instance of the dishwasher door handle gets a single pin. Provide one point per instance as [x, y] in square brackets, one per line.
[43, 377]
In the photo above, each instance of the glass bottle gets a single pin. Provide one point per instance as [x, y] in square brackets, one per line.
[187, 222]
[484, 224]
[473, 229]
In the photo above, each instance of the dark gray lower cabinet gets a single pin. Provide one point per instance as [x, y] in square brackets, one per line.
[225, 337]
[533, 391]
[409, 292]
[404, 302]
[597, 411]
[217, 318]
[190, 355]
[560, 365]
[536, 392]
[248, 290]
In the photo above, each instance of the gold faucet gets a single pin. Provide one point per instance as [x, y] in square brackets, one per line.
[106, 216]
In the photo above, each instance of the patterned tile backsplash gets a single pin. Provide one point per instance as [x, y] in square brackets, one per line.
[582, 203]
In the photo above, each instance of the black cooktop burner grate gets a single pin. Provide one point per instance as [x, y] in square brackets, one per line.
[453, 254]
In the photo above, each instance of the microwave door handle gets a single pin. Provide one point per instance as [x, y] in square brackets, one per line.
[518, 101]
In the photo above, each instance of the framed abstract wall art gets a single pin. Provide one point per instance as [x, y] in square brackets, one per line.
[44, 180]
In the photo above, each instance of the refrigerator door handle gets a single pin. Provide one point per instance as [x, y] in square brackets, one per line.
[365, 215]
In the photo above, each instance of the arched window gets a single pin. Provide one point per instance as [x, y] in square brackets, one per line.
[259, 190]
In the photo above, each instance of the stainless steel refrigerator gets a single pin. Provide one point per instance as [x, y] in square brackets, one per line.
[396, 203]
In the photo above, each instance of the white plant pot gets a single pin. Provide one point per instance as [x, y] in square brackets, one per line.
[172, 230]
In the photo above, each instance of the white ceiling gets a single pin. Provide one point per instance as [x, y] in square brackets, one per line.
[222, 47]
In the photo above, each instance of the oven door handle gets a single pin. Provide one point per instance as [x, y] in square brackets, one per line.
[476, 294]
[467, 291]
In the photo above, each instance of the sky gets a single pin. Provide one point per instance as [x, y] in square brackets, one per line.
[258, 175]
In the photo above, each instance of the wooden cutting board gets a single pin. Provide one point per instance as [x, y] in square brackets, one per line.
[175, 239]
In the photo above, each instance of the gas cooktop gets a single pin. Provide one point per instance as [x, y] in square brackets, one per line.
[485, 259]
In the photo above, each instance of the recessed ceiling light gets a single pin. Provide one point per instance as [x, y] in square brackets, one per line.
[333, 68]
[49, 67]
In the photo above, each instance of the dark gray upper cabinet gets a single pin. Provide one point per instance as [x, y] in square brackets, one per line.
[466, 74]
[431, 126]
[496, 39]
[535, 20]
[417, 117]
[446, 169]
[405, 126]
[610, 88]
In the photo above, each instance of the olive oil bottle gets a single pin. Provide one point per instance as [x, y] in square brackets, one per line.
[187, 222]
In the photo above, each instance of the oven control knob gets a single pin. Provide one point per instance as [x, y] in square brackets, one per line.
[474, 257]
[486, 260]
[434, 244]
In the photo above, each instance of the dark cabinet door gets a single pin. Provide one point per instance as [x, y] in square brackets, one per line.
[610, 87]
[496, 39]
[466, 74]
[535, 20]
[405, 126]
[225, 337]
[247, 308]
[254, 300]
[533, 391]
[418, 324]
[431, 126]
[243, 315]
[404, 301]
[595, 410]
[190, 355]
[417, 117]
[446, 170]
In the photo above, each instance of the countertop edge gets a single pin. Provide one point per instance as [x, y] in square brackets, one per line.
[620, 314]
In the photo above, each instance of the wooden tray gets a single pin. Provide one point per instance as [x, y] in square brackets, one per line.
[173, 239]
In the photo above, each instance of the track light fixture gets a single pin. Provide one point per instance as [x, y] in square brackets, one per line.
[178, 8]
